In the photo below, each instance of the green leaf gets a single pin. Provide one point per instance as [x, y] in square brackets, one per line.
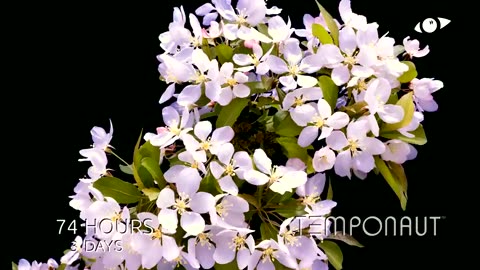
[148, 150]
[153, 168]
[333, 252]
[14, 266]
[136, 162]
[268, 231]
[331, 24]
[319, 32]
[256, 87]
[392, 180]
[399, 172]
[406, 102]
[346, 238]
[250, 199]
[287, 127]
[229, 266]
[281, 94]
[329, 89]
[410, 74]
[151, 193]
[229, 114]
[62, 267]
[126, 169]
[291, 149]
[291, 208]
[145, 176]
[210, 184]
[330, 190]
[119, 190]
[224, 53]
[419, 139]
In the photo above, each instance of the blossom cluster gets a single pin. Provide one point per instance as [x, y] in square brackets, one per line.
[258, 117]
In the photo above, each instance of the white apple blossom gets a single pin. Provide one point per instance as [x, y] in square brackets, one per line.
[309, 194]
[280, 179]
[230, 164]
[212, 144]
[186, 177]
[355, 150]
[412, 48]
[99, 162]
[323, 159]
[291, 68]
[398, 151]
[268, 251]
[422, 93]
[185, 259]
[74, 254]
[229, 212]
[318, 117]
[256, 61]
[233, 245]
[235, 87]
[176, 126]
[412, 126]
[101, 139]
[349, 18]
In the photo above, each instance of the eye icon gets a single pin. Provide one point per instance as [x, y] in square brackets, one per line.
[430, 25]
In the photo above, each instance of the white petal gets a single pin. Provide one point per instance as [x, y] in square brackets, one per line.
[204, 253]
[189, 95]
[201, 60]
[189, 181]
[172, 174]
[243, 256]
[256, 178]
[391, 113]
[311, 63]
[306, 81]
[170, 116]
[343, 164]
[216, 169]
[367, 57]
[340, 75]
[170, 248]
[225, 96]
[307, 136]
[227, 185]
[265, 265]
[324, 108]
[168, 219]
[338, 120]
[166, 198]
[330, 54]
[288, 82]
[262, 162]
[242, 59]
[303, 114]
[223, 135]
[362, 72]
[202, 130]
[230, 31]
[223, 253]
[292, 51]
[337, 140]
[202, 202]
[363, 162]
[241, 205]
[373, 146]
[192, 223]
[168, 94]
[225, 153]
[277, 65]
[241, 90]
[326, 131]
[348, 40]
[316, 183]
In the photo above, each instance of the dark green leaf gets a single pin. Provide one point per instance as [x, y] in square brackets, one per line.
[333, 252]
[281, 94]
[119, 190]
[229, 114]
[153, 168]
[137, 158]
[148, 150]
[224, 53]
[287, 127]
[256, 87]
[126, 169]
[330, 190]
[14, 266]
[346, 238]
[329, 89]
[392, 180]
[410, 74]
[250, 199]
[319, 32]
[399, 172]
[291, 149]
[331, 24]
[233, 265]
[268, 231]
[210, 184]
[146, 177]
[292, 208]
[419, 139]
[406, 102]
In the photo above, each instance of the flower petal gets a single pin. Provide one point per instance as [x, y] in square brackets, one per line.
[202, 202]
[307, 136]
[337, 140]
[192, 223]
[263, 163]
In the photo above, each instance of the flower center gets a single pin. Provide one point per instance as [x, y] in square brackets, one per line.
[290, 238]
[174, 129]
[268, 254]
[255, 60]
[312, 198]
[157, 234]
[294, 70]
[204, 239]
[222, 208]
[116, 217]
[274, 176]
[230, 170]
[362, 85]
[298, 101]
[238, 242]
[353, 145]
[181, 205]
[200, 78]
[350, 60]
[205, 145]
[319, 122]
[232, 82]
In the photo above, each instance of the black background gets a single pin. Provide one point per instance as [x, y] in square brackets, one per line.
[78, 65]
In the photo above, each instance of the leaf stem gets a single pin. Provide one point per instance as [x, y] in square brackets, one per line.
[117, 156]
